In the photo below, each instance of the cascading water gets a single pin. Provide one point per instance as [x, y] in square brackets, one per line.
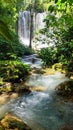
[43, 110]
[24, 25]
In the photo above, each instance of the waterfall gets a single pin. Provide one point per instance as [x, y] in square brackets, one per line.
[24, 25]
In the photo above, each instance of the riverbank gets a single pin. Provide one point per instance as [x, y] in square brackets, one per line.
[14, 90]
[10, 90]
[65, 89]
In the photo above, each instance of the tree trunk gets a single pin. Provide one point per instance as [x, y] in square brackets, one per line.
[31, 28]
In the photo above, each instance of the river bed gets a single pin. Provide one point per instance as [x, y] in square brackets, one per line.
[42, 110]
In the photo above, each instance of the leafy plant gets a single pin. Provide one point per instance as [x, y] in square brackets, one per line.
[48, 55]
[13, 70]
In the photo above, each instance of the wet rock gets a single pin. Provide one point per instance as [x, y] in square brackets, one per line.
[37, 70]
[66, 89]
[66, 128]
[37, 88]
[14, 95]
[49, 71]
[11, 122]
[4, 98]
[71, 77]
[21, 88]
[7, 87]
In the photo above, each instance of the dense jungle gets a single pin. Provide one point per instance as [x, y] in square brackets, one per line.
[36, 64]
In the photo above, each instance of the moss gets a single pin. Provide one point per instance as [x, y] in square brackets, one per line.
[10, 122]
[1, 81]
[58, 67]
[66, 89]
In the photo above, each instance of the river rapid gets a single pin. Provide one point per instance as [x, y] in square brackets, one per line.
[42, 110]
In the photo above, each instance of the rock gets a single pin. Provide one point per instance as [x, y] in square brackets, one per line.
[38, 88]
[6, 88]
[11, 122]
[49, 71]
[1, 127]
[58, 67]
[67, 128]
[4, 98]
[22, 88]
[71, 77]
[14, 95]
[66, 89]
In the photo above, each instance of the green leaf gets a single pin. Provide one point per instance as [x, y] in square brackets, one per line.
[4, 31]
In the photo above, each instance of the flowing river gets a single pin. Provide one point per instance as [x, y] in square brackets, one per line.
[43, 110]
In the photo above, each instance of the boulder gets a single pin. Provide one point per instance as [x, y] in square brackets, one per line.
[4, 98]
[11, 122]
[66, 89]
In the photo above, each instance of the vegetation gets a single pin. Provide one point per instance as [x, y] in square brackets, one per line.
[58, 26]
[13, 70]
[48, 55]
[60, 21]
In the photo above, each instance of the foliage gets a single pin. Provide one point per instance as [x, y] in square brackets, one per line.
[66, 89]
[1, 81]
[11, 52]
[4, 30]
[19, 48]
[65, 55]
[9, 12]
[37, 5]
[13, 70]
[48, 56]
[59, 26]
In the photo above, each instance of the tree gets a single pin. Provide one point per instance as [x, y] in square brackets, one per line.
[34, 6]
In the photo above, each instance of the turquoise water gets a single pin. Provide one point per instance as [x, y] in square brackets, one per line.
[44, 110]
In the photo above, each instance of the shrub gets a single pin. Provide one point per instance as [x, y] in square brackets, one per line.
[65, 55]
[13, 70]
[48, 55]
[15, 48]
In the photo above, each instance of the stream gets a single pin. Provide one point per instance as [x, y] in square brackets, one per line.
[42, 110]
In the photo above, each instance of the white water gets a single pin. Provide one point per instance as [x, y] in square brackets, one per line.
[24, 25]
[33, 61]
[42, 110]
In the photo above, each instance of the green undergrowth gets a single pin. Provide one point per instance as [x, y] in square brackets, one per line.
[14, 47]
[13, 71]
[11, 68]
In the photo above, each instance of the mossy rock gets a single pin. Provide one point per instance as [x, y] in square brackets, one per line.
[6, 87]
[57, 66]
[11, 122]
[66, 89]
